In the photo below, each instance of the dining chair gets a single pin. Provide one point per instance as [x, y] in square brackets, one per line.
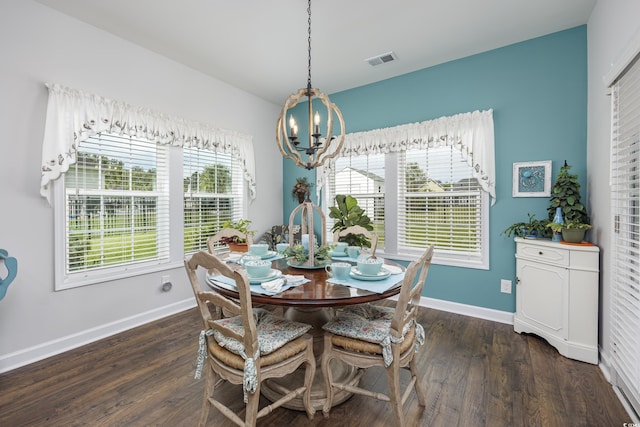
[248, 348]
[368, 335]
[358, 229]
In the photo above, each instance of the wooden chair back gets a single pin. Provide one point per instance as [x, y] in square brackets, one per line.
[211, 303]
[409, 298]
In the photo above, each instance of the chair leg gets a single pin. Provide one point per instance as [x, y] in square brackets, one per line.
[326, 372]
[395, 395]
[418, 385]
[251, 414]
[209, 387]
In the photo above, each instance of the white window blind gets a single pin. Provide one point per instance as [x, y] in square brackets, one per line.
[439, 202]
[625, 257]
[417, 197]
[116, 206]
[213, 194]
[363, 177]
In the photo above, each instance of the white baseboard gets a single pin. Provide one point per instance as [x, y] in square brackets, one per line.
[33, 354]
[467, 310]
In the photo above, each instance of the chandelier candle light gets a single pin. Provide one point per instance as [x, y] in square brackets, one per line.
[317, 151]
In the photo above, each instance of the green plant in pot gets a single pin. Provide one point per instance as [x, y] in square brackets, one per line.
[347, 213]
[534, 228]
[235, 243]
[565, 195]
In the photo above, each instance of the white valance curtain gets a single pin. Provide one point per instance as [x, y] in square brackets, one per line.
[471, 133]
[73, 116]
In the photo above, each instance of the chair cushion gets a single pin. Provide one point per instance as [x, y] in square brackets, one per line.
[365, 322]
[273, 331]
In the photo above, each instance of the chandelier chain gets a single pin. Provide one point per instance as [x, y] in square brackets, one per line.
[309, 46]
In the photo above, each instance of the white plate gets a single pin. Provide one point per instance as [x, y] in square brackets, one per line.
[269, 254]
[273, 274]
[382, 274]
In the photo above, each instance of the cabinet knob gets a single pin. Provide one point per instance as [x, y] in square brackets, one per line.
[540, 253]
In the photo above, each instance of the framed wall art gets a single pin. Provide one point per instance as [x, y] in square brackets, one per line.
[532, 179]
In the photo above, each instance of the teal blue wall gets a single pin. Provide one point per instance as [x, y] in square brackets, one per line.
[538, 92]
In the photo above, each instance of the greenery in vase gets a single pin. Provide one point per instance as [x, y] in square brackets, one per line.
[301, 255]
[301, 189]
[241, 225]
[347, 213]
[565, 194]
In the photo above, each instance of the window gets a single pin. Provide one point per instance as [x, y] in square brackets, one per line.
[625, 254]
[213, 194]
[416, 197]
[114, 174]
[116, 204]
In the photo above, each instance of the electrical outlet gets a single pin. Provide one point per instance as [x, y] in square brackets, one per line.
[505, 286]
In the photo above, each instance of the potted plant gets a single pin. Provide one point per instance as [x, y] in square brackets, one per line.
[347, 213]
[235, 243]
[572, 231]
[565, 195]
[301, 189]
[533, 229]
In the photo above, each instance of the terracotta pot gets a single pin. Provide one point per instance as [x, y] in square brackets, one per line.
[573, 235]
[238, 247]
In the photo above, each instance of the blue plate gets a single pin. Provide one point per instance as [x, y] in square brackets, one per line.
[338, 254]
[273, 274]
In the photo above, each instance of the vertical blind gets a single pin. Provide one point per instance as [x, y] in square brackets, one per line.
[625, 257]
[213, 194]
[116, 203]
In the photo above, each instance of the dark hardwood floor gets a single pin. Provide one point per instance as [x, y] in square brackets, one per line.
[476, 373]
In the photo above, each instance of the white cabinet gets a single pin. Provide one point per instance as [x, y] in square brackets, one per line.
[557, 295]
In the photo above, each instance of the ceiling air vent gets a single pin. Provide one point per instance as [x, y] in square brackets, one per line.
[382, 59]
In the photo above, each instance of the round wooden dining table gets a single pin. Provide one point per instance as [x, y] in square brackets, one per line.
[313, 303]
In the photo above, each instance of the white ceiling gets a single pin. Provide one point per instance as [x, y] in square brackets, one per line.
[261, 45]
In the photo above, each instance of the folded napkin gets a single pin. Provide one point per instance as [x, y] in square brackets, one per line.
[294, 279]
[233, 257]
[392, 269]
[277, 284]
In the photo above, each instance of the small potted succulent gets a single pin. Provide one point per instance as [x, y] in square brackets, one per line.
[235, 243]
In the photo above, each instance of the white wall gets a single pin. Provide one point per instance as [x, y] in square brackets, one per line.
[611, 27]
[39, 45]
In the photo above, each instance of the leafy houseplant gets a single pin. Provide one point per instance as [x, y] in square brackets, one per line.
[241, 225]
[534, 228]
[565, 195]
[347, 213]
[301, 189]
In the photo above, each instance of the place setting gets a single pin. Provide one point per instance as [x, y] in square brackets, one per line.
[263, 279]
[369, 274]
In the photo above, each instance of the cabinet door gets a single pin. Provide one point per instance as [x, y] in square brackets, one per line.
[542, 297]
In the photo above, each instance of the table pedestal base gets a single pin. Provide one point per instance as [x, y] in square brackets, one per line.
[272, 388]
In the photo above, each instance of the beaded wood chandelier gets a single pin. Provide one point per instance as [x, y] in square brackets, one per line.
[316, 152]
